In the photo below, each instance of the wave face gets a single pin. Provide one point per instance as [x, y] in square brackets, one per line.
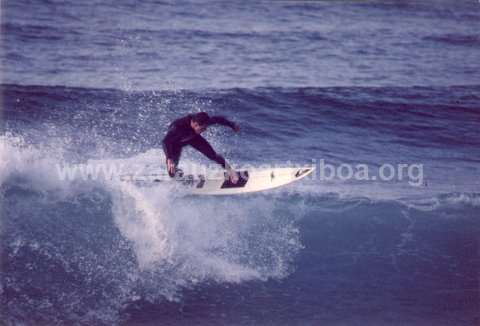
[86, 251]
[151, 46]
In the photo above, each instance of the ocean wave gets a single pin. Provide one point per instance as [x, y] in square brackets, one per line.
[83, 251]
[107, 242]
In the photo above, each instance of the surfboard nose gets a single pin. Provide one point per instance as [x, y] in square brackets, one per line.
[303, 172]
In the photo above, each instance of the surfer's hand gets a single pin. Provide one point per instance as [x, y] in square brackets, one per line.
[233, 176]
[236, 127]
[171, 166]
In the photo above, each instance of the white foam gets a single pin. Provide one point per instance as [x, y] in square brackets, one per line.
[141, 220]
[462, 198]
[36, 163]
[222, 239]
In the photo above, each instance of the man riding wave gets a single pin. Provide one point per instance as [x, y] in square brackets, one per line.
[187, 131]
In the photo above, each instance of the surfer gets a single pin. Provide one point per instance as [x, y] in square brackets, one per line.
[187, 131]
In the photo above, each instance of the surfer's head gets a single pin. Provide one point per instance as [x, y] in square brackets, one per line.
[199, 122]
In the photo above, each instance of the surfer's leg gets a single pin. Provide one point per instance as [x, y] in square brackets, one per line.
[201, 145]
[176, 159]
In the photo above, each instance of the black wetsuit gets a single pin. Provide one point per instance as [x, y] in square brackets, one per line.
[180, 134]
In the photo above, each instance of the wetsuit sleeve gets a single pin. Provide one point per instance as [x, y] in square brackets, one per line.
[201, 145]
[221, 121]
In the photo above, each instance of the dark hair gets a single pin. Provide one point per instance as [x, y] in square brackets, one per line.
[201, 118]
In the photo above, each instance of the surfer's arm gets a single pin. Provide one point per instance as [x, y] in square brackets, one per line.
[204, 147]
[218, 119]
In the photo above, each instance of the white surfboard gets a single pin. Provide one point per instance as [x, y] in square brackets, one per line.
[217, 184]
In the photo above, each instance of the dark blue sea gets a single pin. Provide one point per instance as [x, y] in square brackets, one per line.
[343, 83]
